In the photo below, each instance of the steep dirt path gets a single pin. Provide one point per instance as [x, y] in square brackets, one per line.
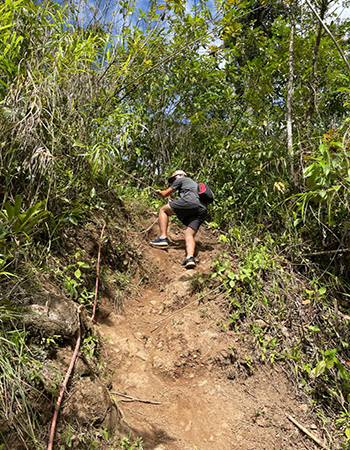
[210, 395]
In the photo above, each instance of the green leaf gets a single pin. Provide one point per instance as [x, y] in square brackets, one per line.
[8, 274]
[231, 275]
[83, 264]
[6, 26]
[79, 144]
[319, 369]
[313, 328]
[326, 169]
[9, 209]
[18, 203]
[77, 273]
[308, 171]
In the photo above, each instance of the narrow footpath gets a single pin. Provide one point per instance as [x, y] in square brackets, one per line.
[185, 382]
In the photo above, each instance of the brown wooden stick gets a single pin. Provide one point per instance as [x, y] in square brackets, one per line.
[59, 400]
[308, 433]
[133, 399]
[98, 271]
[328, 252]
[336, 313]
[150, 227]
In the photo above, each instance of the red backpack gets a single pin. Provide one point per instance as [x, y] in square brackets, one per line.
[205, 193]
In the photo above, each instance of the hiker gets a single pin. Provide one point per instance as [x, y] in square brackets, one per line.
[188, 208]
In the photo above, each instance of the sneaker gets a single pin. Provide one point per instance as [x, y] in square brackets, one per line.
[160, 242]
[189, 263]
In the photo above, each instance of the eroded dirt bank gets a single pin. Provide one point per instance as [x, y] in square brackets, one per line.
[205, 390]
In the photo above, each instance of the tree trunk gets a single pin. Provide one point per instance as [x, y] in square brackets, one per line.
[290, 89]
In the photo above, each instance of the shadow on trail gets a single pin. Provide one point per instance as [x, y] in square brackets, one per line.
[179, 244]
[153, 438]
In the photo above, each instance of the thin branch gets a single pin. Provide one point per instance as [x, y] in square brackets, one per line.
[308, 433]
[328, 252]
[330, 34]
[133, 399]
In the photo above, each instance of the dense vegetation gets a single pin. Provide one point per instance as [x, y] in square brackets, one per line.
[252, 96]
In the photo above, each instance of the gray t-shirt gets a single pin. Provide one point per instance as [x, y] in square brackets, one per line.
[188, 189]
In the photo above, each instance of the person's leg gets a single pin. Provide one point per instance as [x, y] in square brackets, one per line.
[190, 233]
[163, 220]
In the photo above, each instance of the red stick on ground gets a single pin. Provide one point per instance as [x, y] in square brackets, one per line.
[59, 400]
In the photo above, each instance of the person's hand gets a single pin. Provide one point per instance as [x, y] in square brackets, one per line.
[158, 191]
[170, 200]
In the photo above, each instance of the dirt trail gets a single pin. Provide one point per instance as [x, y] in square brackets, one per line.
[210, 396]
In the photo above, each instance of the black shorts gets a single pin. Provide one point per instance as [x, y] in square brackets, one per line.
[191, 214]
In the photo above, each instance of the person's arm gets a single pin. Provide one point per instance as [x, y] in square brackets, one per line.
[165, 193]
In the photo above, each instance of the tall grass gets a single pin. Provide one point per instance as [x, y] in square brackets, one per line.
[18, 395]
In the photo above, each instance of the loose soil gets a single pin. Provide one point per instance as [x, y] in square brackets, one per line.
[207, 392]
